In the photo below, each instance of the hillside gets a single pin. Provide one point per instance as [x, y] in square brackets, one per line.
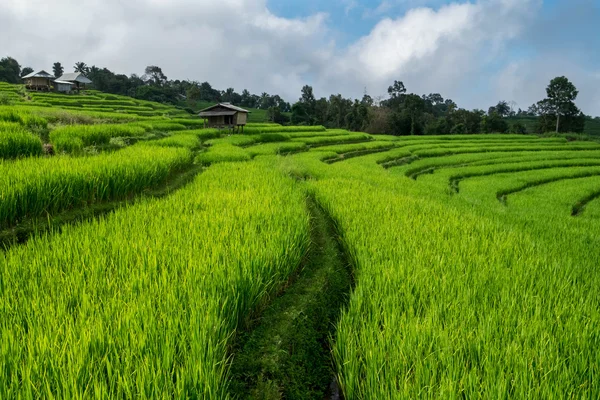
[145, 257]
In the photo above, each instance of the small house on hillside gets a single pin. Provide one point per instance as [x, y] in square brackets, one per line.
[38, 81]
[76, 78]
[224, 116]
[63, 86]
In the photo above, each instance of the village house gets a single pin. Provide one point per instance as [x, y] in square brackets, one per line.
[63, 86]
[225, 116]
[38, 81]
[76, 78]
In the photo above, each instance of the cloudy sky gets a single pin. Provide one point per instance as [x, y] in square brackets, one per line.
[475, 52]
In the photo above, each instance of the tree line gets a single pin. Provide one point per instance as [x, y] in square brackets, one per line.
[401, 113]
[405, 113]
[153, 85]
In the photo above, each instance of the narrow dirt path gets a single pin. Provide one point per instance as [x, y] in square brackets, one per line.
[287, 354]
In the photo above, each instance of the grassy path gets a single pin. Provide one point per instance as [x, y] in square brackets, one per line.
[287, 354]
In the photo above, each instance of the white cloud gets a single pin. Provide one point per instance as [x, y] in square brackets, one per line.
[242, 44]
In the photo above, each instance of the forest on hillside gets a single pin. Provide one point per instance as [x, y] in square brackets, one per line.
[400, 113]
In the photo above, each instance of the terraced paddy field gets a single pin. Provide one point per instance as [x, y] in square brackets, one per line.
[149, 258]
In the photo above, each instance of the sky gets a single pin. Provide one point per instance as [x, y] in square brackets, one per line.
[475, 52]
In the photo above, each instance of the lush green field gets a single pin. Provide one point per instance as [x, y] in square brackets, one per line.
[474, 259]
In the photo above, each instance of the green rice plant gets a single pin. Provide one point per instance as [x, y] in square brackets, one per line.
[461, 174]
[329, 132]
[262, 124]
[453, 297]
[326, 140]
[282, 129]
[205, 134]
[180, 140]
[422, 151]
[222, 152]
[74, 138]
[163, 126]
[430, 165]
[146, 302]
[348, 148]
[236, 140]
[275, 148]
[35, 187]
[16, 141]
[271, 137]
[190, 123]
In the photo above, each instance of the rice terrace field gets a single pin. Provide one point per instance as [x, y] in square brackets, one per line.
[146, 257]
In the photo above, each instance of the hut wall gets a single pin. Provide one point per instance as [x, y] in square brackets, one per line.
[241, 118]
[216, 121]
[63, 87]
[37, 81]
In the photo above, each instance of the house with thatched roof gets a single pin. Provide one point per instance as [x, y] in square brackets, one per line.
[224, 116]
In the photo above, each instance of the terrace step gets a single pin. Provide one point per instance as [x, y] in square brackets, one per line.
[22, 232]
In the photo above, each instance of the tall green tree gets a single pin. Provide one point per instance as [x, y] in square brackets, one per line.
[560, 100]
[10, 70]
[26, 71]
[414, 107]
[58, 70]
[81, 67]
[155, 75]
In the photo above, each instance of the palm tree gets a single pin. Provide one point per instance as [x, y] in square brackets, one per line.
[81, 67]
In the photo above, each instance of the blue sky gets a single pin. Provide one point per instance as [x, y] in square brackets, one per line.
[558, 29]
[475, 52]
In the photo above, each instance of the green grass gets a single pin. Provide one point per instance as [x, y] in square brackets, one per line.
[153, 318]
[16, 141]
[35, 187]
[222, 153]
[458, 294]
[71, 139]
[454, 296]
[275, 148]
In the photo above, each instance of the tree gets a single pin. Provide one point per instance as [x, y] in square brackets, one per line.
[397, 89]
[503, 109]
[81, 67]
[58, 70]
[155, 75]
[367, 100]
[10, 70]
[493, 123]
[308, 96]
[561, 99]
[26, 71]
[518, 128]
[193, 93]
[414, 106]
[307, 110]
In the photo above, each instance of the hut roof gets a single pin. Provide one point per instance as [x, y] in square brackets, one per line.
[216, 113]
[75, 77]
[39, 74]
[224, 105]
[64, 82]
